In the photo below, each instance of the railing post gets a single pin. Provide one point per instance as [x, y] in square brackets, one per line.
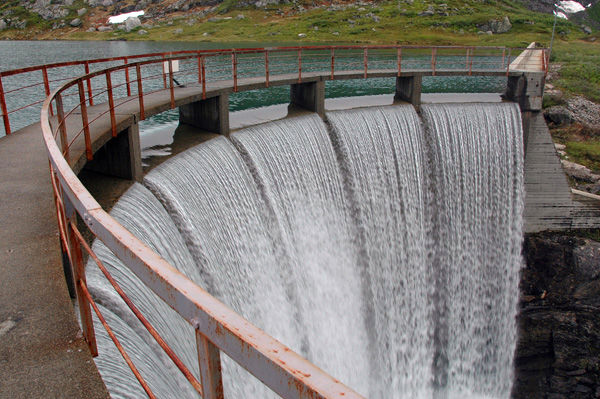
[199, 69]
[299, 65]
[138, 72]
[433, 60]
[125, 61]
[209, 360]
[470, 56]
[164, 73]
[366, 61]
[267, 68]
[84, 120]
[4, 109]
[332, 63]
[503, 57]
[467, 59]
[111, 104]
[89, 84]
[234, 70]
[47, 87]
[60, 113]
[171, 88]
[203, 78]
[85, 311]
[399, 61]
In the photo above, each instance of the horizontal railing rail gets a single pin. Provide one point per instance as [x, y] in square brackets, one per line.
[16, 98]
[94, 97]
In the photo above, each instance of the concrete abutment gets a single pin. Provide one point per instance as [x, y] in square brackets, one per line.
[527, 90]
[408, 88]
[309, 95]
[121, 156]
[211, 114]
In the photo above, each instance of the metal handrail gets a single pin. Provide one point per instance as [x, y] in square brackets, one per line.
[6, 111]
[218, 328]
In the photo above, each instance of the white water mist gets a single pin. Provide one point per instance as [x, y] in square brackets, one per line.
[383, 247]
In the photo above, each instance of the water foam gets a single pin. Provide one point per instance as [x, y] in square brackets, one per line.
[383, 247]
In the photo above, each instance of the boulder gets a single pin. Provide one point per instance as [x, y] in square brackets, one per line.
[142, 32]
[496, 26]
[3, 24]
[105, 28]
[559, 115]
[579, 172]
[81, 11]
[131, 23]
[18, 24]
[75, 23]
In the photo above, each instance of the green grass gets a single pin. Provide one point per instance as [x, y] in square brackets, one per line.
[398, 23]
[585, 153]
[580, 71]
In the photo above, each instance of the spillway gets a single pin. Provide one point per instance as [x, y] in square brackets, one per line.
[394, 234]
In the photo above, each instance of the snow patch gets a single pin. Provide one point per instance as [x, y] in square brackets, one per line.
[570, 7]
[117, 19]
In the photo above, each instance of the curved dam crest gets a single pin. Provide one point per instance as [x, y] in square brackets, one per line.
[382, 246]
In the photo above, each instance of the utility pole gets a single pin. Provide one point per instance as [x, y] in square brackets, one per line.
[553, 30]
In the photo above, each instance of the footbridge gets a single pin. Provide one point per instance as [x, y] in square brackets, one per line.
[91, 121]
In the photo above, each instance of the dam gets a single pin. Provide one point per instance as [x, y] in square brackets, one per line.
[118, 117]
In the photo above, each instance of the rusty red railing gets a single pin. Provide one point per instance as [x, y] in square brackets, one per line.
[11, 101]
[217, 328]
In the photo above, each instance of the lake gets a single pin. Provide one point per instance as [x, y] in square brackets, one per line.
[19, 54]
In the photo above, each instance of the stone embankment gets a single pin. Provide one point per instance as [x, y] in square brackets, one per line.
[558, 352]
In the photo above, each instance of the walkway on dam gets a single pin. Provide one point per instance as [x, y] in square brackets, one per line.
[549, 202]
[42, 354]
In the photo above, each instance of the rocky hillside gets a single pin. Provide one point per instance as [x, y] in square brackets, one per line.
[21, 19]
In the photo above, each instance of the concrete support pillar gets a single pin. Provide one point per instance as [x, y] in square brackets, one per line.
[211, 114]
[121, 156]
[408, 88]
[310, 96]
[527, 90]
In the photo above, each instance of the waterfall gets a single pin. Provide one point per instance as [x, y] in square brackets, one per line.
[379, 230]
[476, 171]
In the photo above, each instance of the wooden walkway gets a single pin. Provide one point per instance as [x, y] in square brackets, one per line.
[549, 203]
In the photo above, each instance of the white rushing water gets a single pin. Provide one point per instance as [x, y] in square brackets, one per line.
[393, 235]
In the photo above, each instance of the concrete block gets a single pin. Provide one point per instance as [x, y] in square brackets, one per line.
[309, 95]
[121, 156]
[211, 114]
[408, 88]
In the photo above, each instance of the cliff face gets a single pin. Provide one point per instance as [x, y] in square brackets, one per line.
[558, 353]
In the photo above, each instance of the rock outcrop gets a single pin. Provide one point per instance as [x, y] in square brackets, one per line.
[558, 351]
[576, 109]
[496, 26]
